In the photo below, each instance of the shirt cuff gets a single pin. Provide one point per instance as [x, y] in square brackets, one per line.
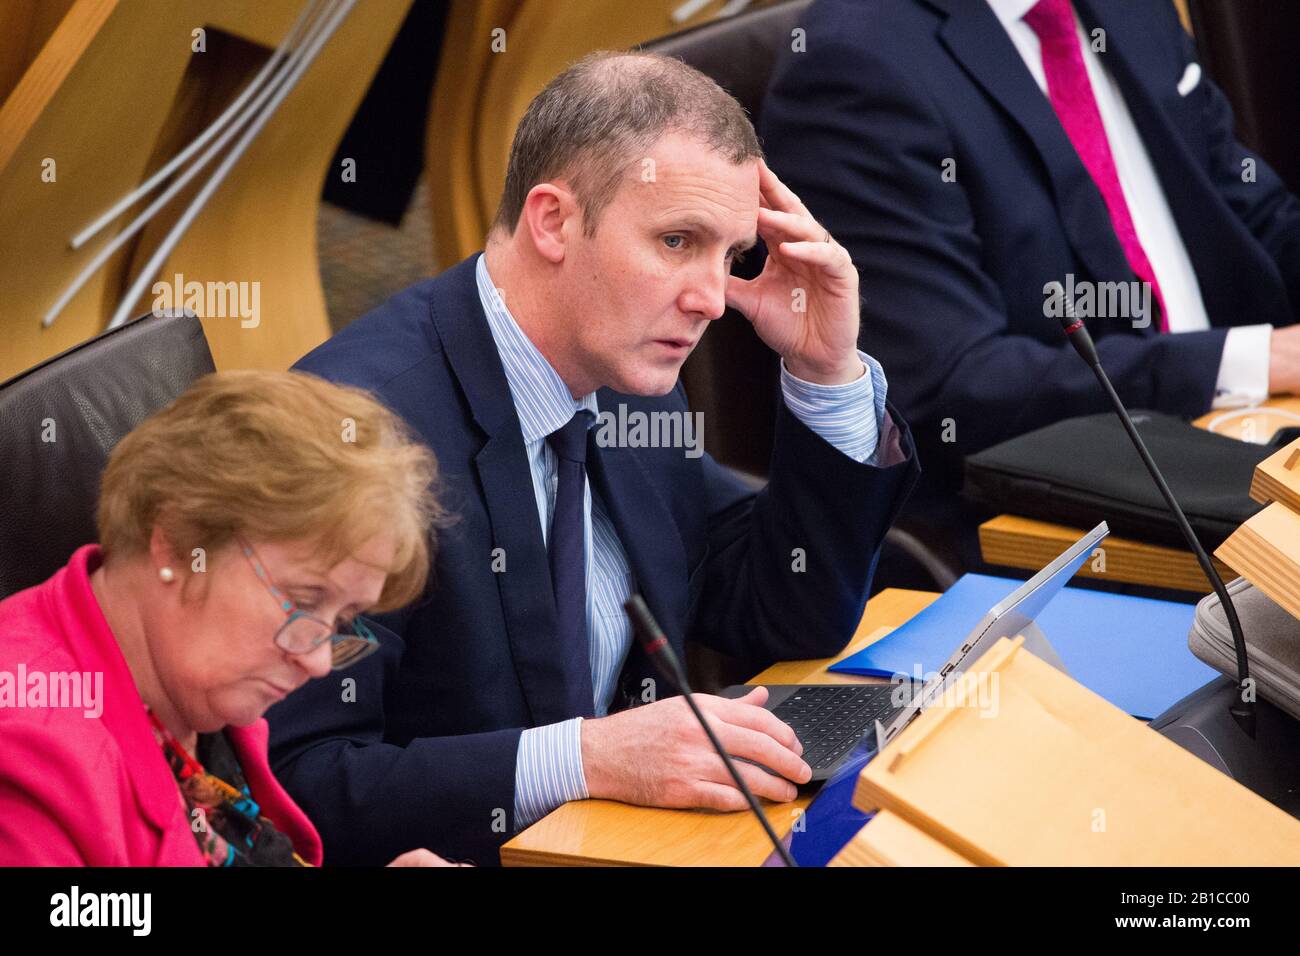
[1243, 369]
[548, 770]
[850, 416]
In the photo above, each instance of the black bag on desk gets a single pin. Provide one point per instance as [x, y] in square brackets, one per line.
[1084, 470]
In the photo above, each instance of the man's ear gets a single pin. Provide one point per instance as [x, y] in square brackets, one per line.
[552, 217]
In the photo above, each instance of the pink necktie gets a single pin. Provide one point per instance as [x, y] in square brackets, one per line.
[1071, 95]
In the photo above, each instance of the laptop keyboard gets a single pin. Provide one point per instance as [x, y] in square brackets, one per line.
[829, 721]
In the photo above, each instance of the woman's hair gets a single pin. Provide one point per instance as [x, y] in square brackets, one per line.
[276, 456]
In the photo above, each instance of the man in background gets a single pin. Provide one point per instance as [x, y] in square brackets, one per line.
[968, 153]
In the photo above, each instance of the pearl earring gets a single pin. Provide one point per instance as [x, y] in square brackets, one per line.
[166, 575]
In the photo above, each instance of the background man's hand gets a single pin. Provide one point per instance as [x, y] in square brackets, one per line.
[805, 269]
[657, 755]
[1284, 361]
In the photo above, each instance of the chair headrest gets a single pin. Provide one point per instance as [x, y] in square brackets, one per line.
[738, 52]
[60, 420]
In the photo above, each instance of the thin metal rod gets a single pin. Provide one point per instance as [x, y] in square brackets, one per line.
[290, 39]
[218, 176]
[250, 112]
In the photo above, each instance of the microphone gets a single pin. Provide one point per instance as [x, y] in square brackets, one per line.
[1243, 708]
[656, 646]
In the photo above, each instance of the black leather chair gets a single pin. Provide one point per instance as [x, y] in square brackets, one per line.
[732, 377]
[58, 423]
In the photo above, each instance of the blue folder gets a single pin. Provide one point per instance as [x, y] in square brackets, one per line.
[1130, 650]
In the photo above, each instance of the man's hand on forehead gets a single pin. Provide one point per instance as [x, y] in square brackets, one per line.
[804, 305]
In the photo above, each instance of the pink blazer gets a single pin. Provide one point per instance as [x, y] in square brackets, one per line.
[78, 789]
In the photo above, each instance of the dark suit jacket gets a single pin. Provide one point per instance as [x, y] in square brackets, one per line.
[424, 756]
[953, 272]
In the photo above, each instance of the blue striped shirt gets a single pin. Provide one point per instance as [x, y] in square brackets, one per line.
[548, 766]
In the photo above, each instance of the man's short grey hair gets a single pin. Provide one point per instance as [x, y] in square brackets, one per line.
[605, 111]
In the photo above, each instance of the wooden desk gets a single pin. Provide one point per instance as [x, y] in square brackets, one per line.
[606, 833]
[1016, 542]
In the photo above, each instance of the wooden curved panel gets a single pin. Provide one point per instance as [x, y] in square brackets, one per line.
[25, 25]
[107, 99]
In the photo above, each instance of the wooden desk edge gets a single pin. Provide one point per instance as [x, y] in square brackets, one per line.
[536, 846]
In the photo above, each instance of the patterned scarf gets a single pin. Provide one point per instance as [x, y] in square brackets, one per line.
[226, 820]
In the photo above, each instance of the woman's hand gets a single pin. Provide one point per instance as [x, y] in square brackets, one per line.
[422, 858]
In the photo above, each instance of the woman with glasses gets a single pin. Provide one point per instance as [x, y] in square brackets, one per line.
[242, 531]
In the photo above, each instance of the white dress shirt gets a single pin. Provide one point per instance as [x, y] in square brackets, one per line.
[1243, 368]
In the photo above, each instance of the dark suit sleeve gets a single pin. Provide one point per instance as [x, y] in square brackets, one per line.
[789, 569]
[1259, 199]
[372, 799]
[864, 148]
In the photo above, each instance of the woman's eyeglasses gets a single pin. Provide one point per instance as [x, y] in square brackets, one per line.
[302, 632]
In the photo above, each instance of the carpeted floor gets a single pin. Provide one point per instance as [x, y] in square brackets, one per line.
[363, 262]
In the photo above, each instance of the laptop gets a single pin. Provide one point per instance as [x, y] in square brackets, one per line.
[831, 720]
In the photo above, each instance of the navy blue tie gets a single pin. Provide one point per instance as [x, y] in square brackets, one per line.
[566, 546]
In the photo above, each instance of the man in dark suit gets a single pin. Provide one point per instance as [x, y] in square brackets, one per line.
[968, 153]
[544, 374]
